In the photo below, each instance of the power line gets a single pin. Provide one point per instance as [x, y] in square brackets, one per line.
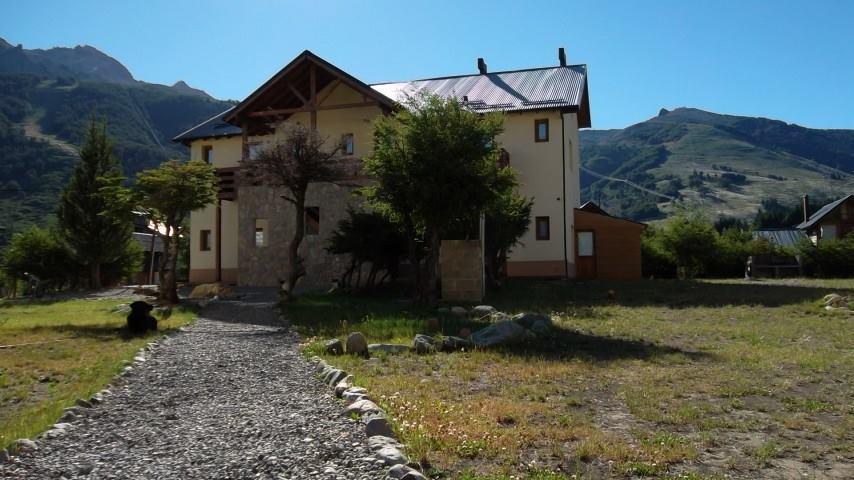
[627, 182]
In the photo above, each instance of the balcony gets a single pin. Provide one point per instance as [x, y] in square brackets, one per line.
[227, 183]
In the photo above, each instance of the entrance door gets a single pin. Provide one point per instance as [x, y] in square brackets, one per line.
[585, 254]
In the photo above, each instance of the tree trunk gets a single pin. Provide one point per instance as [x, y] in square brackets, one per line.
[431, 293]
[412, 253]
[95, 276]
[294, 267]
[166, 277]
[173, 273]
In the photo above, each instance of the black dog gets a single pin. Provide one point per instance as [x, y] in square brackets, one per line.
[139, 319]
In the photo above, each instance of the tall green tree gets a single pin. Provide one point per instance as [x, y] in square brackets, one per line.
[168, 194]
[300, 158]
[435, 161]
[95, 236]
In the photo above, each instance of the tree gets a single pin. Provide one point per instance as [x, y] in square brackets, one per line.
[691, 242]
[368, 237]
[168, 194]
[434, 161]
[506, 221]
[294, 162]
[95, 236]
[39, 252]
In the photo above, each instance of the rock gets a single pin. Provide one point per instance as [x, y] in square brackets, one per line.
[443, 310]
[334, 347]
[210, 290]
[379, 441]
[376, 423]
[391, 456]
[406, 472]
[835, 300]
[68, 417]
[465, 332]
[335, 376]
[97, 398]
[424, 343]
[500, 317]
[433, 323]
[452, 344]
[343, 385]
[362, 407]
[482, 311]
[391, 348]
[4, 456]
[501, 333]
[354, 394]
[83, 403]
[459, 311]
[357, 344]
[527, 320]
[542, 327]
[25, 445]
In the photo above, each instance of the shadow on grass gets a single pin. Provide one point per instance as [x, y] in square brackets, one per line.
[564, 296]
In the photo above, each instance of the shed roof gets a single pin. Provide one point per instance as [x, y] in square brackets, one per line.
[822, 212]
[784, 237]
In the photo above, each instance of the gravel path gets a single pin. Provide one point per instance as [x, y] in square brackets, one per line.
[230, 397]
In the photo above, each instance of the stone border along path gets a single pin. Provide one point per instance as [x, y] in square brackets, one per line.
[377, 427]
[227, 397]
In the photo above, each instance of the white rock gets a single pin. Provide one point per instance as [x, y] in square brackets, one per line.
[459, 311]
[391, 456]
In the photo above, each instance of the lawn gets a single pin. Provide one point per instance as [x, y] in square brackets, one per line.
[669, 379]
[77, 346]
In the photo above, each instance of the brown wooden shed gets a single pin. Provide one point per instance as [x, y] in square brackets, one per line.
[606, 247]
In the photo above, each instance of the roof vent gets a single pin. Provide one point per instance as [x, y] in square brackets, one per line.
[561, 55]
[481, 66]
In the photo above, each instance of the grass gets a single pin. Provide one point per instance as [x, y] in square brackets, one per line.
[86, 346]
[662, 381]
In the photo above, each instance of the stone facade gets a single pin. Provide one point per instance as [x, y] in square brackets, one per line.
[461, 268]
[265, 265]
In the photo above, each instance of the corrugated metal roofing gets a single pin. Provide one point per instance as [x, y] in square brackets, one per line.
[210, 128]
[815, 217]
[144, 241]
[518, 90]
[784, 237]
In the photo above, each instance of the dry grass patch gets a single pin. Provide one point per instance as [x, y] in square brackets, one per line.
[669, 380]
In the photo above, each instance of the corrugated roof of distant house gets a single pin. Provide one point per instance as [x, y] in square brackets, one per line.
[211, 128]
[515, 90]
[817, 216]
[144, 241]
[562, 87]
[784, 237]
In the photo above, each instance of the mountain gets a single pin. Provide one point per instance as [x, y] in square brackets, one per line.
[46, 100]
[723, 164]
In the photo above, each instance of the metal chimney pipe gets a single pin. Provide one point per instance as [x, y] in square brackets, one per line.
[561, 55]
[805, 202]
[481, 66]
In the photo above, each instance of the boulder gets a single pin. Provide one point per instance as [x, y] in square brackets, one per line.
[357, 344]
[25, 444]
[68, 417]
[354, 394]
[391, 456]
[459, 311]
[501, 333]
[465, 332]
[424, 343]
[542, 327]
[452, 344]
[482, 311]
[210, 290]
[362, 407]
[4, 456]
[343, 385]
[391, 348]
[84, 403]
[333, 347]
[405, 472]
[335, 376]
[376, 423]
[378, 441]
[528, 320]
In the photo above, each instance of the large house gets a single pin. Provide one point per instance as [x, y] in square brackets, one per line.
[242, 237]
[832, 221]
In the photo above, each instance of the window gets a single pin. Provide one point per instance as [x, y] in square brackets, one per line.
[204, 240]
[252, 150]
[207, 153]
[347, 144]
[828, 232]
[312, 220]
[586, 247]
[543, 232]
[541, 130]
[260, 232]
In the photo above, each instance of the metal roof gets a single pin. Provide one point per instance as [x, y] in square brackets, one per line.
[784, 237]
[517, 90]
[210, 128]
[144, 241]
[817, 216]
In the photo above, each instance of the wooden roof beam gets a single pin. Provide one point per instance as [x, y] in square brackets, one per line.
[289, 111]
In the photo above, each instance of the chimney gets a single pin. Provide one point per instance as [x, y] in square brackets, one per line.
[561, 55]
[481, 66]
[806, 205]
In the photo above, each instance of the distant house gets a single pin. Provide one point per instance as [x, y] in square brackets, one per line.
[606, 247]
[834, 220]
[152, 246]
[782, 237]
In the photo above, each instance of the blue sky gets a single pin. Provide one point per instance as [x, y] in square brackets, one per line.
[789, 60]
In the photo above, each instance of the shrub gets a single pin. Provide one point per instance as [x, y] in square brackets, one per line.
[368, 237]
[690, 241]
[830, 258]
[656, 262]
[39, 252]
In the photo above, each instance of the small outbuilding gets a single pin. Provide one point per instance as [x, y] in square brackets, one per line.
[606, 247]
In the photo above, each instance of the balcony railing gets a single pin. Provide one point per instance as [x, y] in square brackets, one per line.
[227, 183]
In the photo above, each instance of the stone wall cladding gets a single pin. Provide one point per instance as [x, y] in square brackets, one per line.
[265, 266]
[461, 267]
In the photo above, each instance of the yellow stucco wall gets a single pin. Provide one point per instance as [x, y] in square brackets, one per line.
[226, 151]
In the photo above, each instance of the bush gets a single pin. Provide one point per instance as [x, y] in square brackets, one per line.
[656, 262]
[690, 242]
[368, 238]
[830, 258]
[39, 252]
